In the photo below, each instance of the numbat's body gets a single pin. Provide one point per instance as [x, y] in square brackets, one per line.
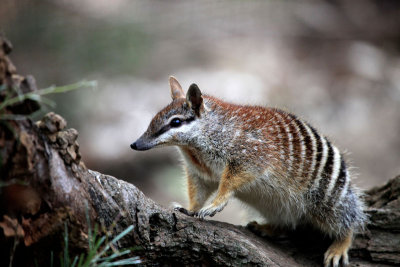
[266, 157]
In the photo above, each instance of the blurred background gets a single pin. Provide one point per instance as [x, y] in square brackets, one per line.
[334, 63]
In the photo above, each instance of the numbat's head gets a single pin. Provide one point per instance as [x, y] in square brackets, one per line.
[173, 124]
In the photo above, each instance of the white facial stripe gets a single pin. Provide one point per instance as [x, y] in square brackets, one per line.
[181, 129]
[167, 136]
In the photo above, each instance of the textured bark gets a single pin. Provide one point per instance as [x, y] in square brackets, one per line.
[45, 184]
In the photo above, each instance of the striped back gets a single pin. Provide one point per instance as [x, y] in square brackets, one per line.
[310, 158]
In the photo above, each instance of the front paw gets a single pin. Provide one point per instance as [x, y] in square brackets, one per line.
[178, 207]
[210, 210]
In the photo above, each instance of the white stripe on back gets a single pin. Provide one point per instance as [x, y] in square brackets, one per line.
[302, 147]
[314, 152]
[344, 189]
[290, 141]
[335, 171]
[322, 163]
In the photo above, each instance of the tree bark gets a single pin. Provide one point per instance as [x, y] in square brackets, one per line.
[44, 183]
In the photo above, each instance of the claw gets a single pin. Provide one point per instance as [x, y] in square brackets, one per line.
[333, 260]
[345, 259]
[210, 210]
[178, 207]
[337, 252]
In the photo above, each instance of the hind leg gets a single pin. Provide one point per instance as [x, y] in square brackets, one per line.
[338, 250]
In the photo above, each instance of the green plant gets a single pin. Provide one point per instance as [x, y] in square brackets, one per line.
[37, 96]
[99, 252]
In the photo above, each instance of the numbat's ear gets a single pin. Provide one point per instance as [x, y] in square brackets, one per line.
[176, 88]
[194, 98]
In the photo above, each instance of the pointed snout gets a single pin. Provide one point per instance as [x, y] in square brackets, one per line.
[140, 145]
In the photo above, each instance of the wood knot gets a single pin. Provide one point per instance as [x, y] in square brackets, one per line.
[63, 140]
[52, 123]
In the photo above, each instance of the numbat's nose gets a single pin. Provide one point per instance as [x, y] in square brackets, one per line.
[140, 145]
[133, 146]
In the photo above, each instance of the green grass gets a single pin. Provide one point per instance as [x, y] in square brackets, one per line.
[100, 253]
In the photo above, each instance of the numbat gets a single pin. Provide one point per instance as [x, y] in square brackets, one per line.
[267, 158]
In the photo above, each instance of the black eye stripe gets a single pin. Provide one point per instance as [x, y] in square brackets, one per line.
[168, 126]
[182, 120]
[190, 119]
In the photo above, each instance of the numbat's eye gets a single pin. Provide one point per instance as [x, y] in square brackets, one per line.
[176, 122]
